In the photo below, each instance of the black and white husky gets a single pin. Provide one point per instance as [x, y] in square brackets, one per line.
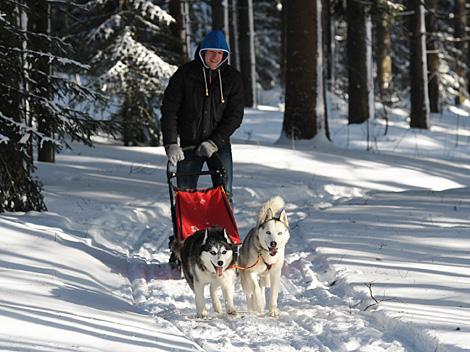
[262, 256]
[208, 257]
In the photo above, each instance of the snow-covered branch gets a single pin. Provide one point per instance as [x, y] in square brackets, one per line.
[153, 11]
[26, 132]
[129, 52]
[52, 58]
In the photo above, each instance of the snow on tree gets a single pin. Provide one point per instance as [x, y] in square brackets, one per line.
[201, 20]
[267, 43]
[31, 97]
[181, 28]
[129, 47]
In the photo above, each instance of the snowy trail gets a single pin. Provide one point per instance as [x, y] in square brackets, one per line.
[356, 218]
[313, 317]
[320, 309]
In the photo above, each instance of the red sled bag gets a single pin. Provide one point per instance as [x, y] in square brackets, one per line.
[202, 208]
[199, 208]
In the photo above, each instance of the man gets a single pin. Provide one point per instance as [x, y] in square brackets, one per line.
[202, 107]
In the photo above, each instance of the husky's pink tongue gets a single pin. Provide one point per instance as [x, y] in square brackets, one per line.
[219, 270]
[272, 251]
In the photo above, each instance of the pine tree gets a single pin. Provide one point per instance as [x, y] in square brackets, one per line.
[30, 97]
[233, 39]
[201, 20]
[359, 52]
[39, 21]
[267, 43]
[220, 15]
[128, 44]
[19, 191]
[432, 49]
[304, 112]
[460, 49]
[246, 47]
[448, 64]
[179, 10]
[419, 115]
[383, 46]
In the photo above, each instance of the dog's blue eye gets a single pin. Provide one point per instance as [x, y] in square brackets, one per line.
[280, 233]
[213, 252]
[224, 252]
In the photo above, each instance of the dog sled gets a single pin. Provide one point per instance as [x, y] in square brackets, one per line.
[197, 209]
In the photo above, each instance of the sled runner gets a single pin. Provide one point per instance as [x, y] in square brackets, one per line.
[200, 208]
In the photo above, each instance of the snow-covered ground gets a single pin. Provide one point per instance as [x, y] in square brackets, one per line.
[378, 258]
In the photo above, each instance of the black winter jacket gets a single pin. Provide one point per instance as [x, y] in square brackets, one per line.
[188, 113]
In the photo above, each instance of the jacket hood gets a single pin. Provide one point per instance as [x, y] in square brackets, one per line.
[214, 40]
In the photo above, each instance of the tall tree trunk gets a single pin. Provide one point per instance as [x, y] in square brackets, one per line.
[40, 22]
[328, 39]
[24, 81]
[304, 111]
[384, 49]
[432, 44]
[283, 5]
[459, 34]
[126, 114]
[419, 114]
[359, 53]
[187, 28]
[181, 27]
[327, 43]
[247, 50]
[220, 16]
[233, 28]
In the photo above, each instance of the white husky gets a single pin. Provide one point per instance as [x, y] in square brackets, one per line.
[262, 256]
[208, 257]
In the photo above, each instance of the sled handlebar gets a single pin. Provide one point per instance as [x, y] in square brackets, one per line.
[190, 150]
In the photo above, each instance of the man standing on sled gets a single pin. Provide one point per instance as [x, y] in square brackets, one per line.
[203, 106]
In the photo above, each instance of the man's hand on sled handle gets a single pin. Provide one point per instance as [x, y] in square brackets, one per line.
[174, 153]
[207, 148]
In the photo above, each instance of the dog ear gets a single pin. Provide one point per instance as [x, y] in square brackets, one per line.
[226, 237]
[269, 215]
[205, 237]
[283, 218]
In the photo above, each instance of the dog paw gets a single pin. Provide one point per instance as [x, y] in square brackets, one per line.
[273, 312]
[201, 315]
[218, 309]
[232, 311]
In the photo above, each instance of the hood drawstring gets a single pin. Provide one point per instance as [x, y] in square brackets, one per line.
[222, 100]
[205, 81]
[221, 91]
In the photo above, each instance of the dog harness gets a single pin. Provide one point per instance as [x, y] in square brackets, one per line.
[268, 266]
